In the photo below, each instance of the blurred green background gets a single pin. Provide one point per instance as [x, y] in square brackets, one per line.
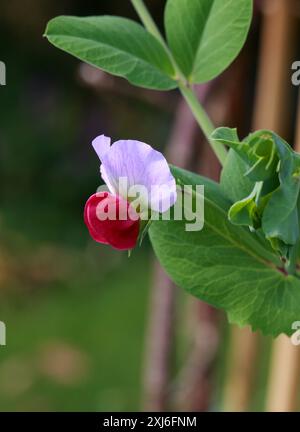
[75, 311]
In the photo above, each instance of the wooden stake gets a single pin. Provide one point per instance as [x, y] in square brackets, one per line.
[283, 387]
[242, 375]
[274, 74]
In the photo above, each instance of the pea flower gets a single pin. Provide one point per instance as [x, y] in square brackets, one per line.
[139, 182]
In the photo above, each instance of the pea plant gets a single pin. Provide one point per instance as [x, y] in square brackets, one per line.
[245, 259]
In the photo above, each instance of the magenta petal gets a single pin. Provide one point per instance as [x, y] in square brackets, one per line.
[121, 234]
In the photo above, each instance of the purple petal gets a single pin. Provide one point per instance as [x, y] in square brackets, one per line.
[141, 165]
[101, 145]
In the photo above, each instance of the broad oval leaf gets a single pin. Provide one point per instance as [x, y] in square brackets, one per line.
[116, 45]
[225, 266]
[205, 36]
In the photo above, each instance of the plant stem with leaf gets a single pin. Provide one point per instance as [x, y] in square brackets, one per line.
[187, 92]
[203, 120]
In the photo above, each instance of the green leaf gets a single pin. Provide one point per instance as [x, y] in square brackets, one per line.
[269, 159]
[225, 266]
[249, 211]
[234, 184]
[245, 212]
[274, 170]
[184, 177]
[262, 154]
[116, 45]
[217, 199]
[258, 151]
[281, 218]
[205, 36]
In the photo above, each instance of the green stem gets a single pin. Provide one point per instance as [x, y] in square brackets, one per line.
[147, 20]
[152, 28]
[203, 121]
[198, 111]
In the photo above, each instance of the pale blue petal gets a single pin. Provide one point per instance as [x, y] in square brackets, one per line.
[141, 165]
[101, 145]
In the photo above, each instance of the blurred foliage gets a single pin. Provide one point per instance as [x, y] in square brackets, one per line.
[76, 342]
